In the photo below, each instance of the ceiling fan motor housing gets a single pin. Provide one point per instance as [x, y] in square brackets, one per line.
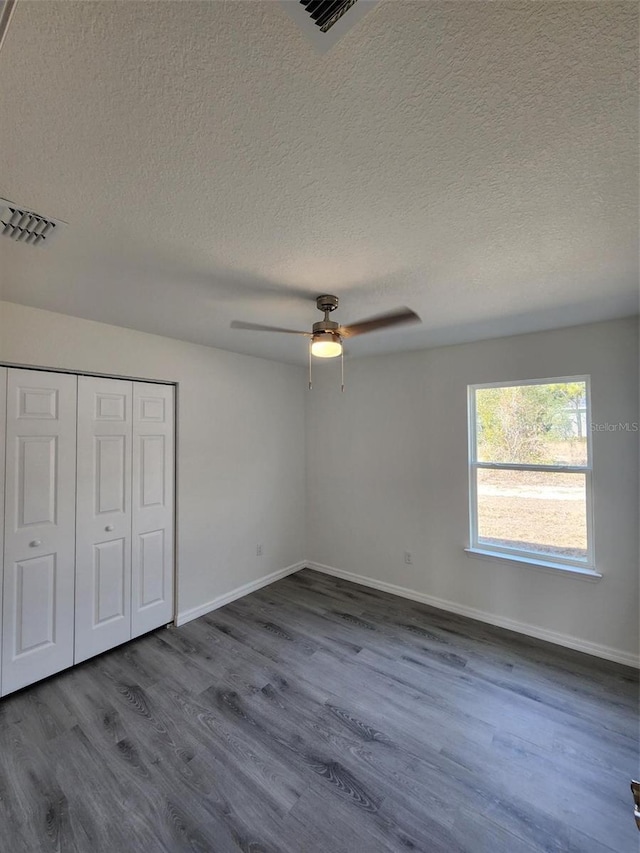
[326, 329]
[325, 326]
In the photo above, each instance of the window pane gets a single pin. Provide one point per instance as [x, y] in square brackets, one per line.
[539, 511]
[533, 424]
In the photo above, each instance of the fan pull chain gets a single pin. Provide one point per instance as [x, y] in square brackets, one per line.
[342, 366]
[310, 385]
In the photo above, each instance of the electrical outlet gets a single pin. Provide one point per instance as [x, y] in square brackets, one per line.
[408, 558]
[259, 550]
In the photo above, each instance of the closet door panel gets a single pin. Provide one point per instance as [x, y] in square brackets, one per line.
[103, 547]
[153, 486]
[39, 546]
[3, 425]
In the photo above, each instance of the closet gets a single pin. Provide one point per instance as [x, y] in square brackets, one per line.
[87, 538]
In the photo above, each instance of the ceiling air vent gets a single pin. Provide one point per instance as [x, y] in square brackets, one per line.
[325, 13]
[324, 22]
[26, 226]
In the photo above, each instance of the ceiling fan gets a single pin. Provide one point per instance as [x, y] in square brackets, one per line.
[327, 336]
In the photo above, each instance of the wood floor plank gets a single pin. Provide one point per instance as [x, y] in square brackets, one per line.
[316, 716]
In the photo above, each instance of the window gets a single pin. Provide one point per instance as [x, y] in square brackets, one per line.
[530, 471]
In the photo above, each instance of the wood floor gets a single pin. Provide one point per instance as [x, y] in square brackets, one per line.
[316, 716]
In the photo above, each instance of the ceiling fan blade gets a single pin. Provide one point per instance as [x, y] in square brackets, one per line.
[256, 327]
[382, 321]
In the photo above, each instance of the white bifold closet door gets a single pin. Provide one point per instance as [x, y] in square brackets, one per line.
[39, 538]
[153, 489]
[124, 550]
[103, 537]
[3, 425]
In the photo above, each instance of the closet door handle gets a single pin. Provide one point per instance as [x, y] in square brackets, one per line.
[34, 543]
[109, 528]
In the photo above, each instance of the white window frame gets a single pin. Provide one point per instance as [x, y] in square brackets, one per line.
[539, 558]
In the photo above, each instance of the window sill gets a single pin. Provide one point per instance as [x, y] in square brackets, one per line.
[544, 565]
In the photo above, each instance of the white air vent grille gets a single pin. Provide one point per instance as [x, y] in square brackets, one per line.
[324, 22]
[25, 226]
[325, 13]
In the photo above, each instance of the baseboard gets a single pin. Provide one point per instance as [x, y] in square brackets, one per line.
[566, 640]
[238, 592]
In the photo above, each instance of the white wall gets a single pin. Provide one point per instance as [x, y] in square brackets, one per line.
[240, 442]
[387, 472]
[386, 462]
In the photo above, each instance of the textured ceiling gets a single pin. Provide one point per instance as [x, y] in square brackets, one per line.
[474, 161]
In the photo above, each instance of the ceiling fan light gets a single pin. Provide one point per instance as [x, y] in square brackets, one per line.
[326, 345]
